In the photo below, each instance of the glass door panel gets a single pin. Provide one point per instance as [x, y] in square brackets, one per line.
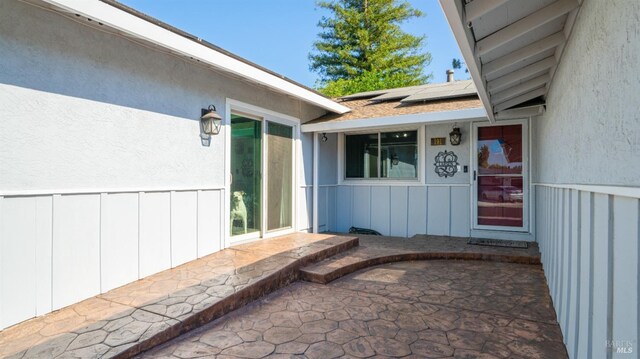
[279, 176]
[500, 187]
[246, 161]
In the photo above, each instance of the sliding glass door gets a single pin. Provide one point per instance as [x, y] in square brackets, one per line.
[246, 168]
[262, 177]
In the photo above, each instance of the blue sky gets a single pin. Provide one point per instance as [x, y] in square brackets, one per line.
[278, 34]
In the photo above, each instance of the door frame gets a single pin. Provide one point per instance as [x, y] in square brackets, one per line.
[264, 116]
[526, 206]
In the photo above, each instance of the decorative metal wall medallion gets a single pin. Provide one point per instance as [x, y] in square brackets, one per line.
[446, 164]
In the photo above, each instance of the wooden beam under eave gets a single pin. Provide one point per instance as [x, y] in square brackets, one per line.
[525, 25]
[477, 8]
[523, 53]
[505, 81]
[520, 113]
[524, 87]
[520, 99]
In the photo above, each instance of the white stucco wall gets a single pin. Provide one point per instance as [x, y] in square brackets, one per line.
[103, 176]
[590, 134]
[84, 109]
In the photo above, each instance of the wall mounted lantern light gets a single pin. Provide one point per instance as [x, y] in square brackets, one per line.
[210, 121]
[455, 136]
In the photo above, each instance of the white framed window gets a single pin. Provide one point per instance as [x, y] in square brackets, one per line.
[382, 156]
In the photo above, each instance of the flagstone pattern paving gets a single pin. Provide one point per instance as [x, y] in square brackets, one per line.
[374, 250]
[418, 309]
[150, 311]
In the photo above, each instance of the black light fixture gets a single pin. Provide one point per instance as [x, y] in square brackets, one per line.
[455, 136]
[324, 137]
[210, 121]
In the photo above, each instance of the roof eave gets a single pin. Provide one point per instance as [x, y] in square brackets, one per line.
[471, 114]
[136, 27]
[462, 34]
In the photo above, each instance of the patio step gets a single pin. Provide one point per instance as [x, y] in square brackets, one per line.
[134, 318]
[375, 250]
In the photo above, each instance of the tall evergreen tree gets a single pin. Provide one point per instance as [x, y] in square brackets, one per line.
[361, 47]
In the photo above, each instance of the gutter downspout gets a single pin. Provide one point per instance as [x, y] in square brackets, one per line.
[316, 150]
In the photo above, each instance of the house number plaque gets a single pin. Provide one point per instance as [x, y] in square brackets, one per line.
[438, 141]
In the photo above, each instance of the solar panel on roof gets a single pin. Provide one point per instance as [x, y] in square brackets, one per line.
[438, 95]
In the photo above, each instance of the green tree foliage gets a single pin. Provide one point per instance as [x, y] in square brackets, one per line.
[362, 48]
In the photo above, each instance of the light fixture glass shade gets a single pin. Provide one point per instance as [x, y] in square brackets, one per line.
[455, 136]
[211, 121]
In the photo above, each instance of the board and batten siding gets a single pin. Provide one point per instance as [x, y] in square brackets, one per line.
[401, 211]
[589, 246]
[56, 250]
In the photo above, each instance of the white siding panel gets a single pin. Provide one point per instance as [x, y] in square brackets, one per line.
[574, 279]
[118, 240]
[417, 212]
[44, 207]
[76, 248]
[380, 211]
[601, 274]
[209, 225]
[398, 211]
[331, 209]
[18, 239]
[322, 209]
[565, 255]
[305, 208]
[585, 275]
[362, 206]
[438, 211]
[460, 212]
[183, 227]
[155, 232]
[625, 269]
[343, 210]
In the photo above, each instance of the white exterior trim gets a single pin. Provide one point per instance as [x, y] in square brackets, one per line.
[263, 115]
[418, 181]
[57, 191]
[527, 207]
[473, 114]
[633, 192]
[461, 32]
[138, 28]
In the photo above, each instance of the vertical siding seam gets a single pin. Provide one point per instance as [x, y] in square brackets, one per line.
[139, 195]
[610, 274]
[591, 260]
[197, 224]
[53, 201]
[578, 271]
[638, 277]
[100, 241]
[406, 218]
[171, 229]
[426, 210]
[569, 258]
[450, 189]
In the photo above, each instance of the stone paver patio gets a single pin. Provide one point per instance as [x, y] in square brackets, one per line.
[142, 315]
[420, 309]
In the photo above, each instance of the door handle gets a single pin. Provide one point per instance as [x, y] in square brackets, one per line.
[474, 175]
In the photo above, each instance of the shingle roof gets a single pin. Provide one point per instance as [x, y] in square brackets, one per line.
[448, 96]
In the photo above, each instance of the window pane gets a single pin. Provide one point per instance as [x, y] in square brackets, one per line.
[500, 201]
[279, 176]
[500, 150]
[399, 154]
[362, 156]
